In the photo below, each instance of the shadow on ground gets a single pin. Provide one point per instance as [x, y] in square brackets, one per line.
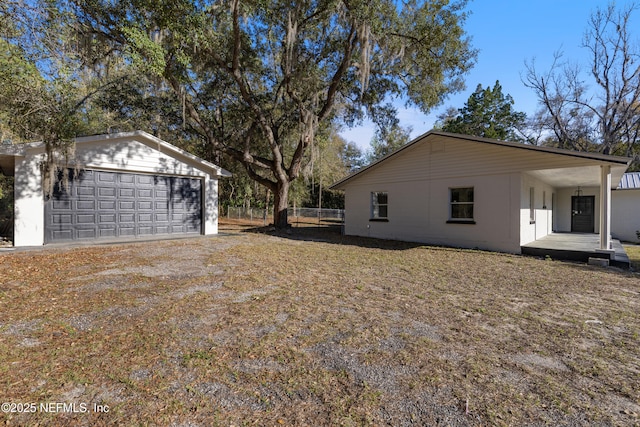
[333, 234]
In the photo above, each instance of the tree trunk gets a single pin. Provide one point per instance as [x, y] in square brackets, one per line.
[280, 205]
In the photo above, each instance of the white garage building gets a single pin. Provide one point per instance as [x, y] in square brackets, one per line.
[125, 186]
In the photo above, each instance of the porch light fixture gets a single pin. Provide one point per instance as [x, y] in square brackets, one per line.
[578, 192]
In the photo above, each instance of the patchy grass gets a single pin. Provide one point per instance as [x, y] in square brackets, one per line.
[314, 328]
[633, 251]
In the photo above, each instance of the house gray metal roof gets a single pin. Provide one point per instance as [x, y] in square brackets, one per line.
[630, 181]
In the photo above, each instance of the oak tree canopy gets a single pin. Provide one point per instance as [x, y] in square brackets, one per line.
[258, 79]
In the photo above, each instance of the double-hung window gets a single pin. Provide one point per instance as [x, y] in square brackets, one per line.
[461, 205]
[379, 205]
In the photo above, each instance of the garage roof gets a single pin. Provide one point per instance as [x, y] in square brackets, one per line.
[8, 153]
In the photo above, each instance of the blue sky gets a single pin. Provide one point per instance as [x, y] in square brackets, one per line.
[507, 33]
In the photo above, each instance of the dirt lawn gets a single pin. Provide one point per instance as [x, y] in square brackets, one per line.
[313, 328]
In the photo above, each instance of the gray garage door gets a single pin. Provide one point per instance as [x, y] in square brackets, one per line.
[106, 205]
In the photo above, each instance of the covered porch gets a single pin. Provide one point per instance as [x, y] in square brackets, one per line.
[581, 204]
[577, 247]
[581, 211]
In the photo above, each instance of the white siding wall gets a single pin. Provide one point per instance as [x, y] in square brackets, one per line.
[418, 178]
[28, 228]
[443, 158]
[133, 156]
[563, 215]
[543, 213]
[418, 196]
[625, 214]
[210, 205]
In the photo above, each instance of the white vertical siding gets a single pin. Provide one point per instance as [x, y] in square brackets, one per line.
[625, 214]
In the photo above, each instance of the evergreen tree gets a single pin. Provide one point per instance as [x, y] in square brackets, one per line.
[387, 141]
[487, 113]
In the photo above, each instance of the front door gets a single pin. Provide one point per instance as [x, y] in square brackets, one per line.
[582, 214]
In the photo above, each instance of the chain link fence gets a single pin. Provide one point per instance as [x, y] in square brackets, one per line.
[296, 215]
[6, 229]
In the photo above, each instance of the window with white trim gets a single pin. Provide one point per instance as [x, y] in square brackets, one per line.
[379, 205]
[461, 204]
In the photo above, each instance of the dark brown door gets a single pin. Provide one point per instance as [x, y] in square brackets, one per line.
[582, 214]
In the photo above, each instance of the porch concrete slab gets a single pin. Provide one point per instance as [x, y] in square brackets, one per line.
[576, 247]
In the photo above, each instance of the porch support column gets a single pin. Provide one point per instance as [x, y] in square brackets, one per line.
[605, 207]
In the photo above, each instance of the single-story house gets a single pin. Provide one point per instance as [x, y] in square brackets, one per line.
[124, 186]
[471, 192]
[625, 208]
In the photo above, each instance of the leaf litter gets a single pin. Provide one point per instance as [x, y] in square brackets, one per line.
[315, 328]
